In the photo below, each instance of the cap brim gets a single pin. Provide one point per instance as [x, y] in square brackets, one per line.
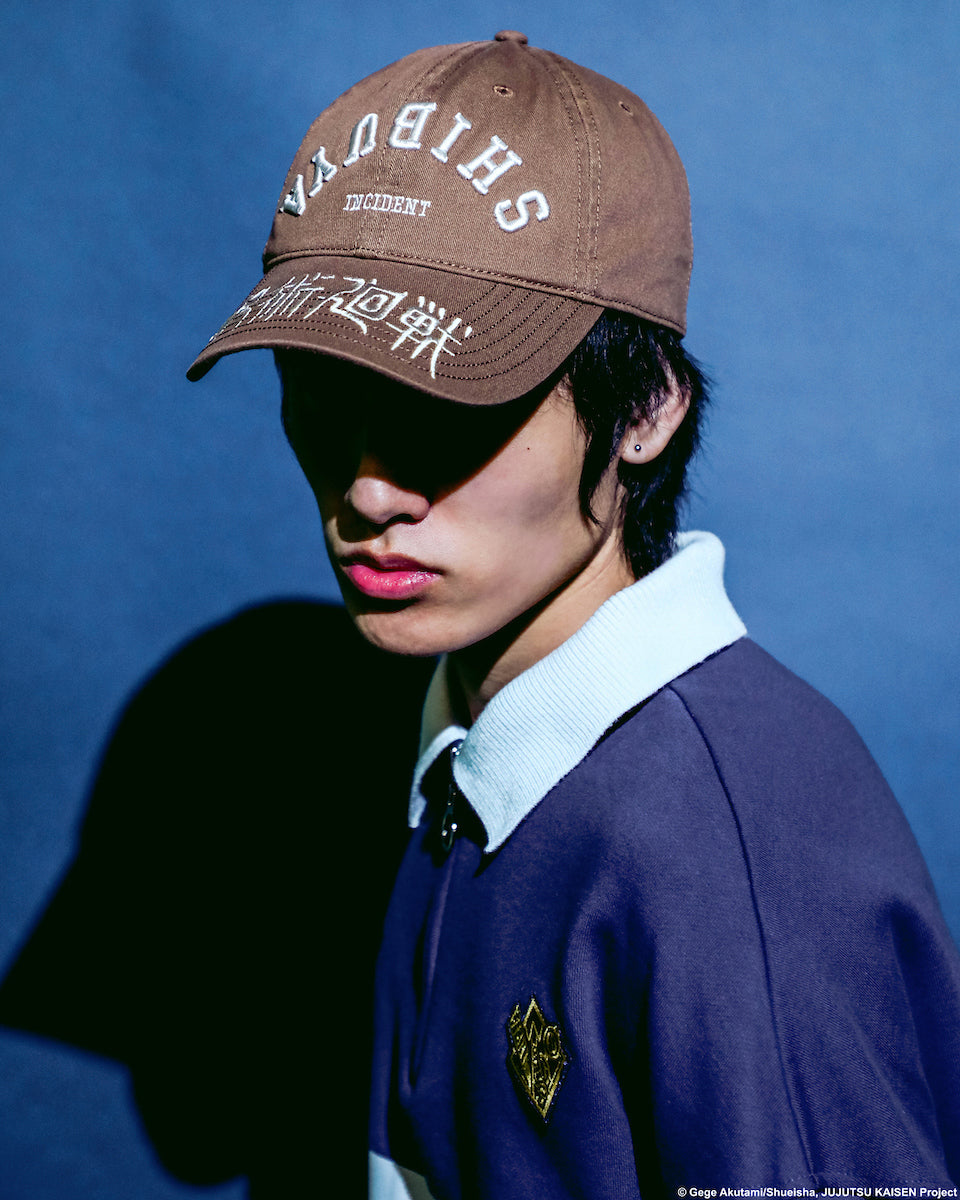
[476, 341]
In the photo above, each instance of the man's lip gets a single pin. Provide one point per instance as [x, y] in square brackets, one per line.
[388, 576]
[386, 562]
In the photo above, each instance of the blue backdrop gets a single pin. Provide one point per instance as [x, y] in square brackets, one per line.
[145, 145]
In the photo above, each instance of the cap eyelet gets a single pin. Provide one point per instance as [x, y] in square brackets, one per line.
[626, 108]
[502, 90]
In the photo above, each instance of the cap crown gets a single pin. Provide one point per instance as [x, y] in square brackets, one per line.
[500, 161]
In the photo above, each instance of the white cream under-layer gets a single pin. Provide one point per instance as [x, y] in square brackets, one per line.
[539, 727]
[390, 1182]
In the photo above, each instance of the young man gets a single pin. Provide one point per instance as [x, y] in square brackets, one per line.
[660, 924]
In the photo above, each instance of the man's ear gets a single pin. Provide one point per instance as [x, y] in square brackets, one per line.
[645, 439]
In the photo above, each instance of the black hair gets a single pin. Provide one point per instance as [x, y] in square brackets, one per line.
[622, 371]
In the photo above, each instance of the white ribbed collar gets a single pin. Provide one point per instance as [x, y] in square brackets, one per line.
[540, 725]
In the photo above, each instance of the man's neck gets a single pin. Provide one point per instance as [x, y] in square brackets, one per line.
[481, 670]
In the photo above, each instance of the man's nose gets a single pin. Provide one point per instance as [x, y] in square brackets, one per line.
[379, 498]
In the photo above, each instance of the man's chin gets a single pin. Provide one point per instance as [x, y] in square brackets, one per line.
[399, 629]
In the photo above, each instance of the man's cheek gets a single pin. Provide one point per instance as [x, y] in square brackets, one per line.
[542, 497]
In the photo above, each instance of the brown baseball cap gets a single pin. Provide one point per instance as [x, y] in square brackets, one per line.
[459, 220]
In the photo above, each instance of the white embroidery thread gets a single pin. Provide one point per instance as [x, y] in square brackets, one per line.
[295, 202]
[410, 121]
[420, 327]
[494, 169]
[406, 133]
[385, 202]
[323, 171]
[442, 151]
[421, 323]
[522, 204]
[365, 128]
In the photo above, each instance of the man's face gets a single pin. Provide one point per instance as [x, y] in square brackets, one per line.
[447, 524]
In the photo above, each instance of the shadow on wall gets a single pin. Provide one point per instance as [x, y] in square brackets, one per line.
[218, 929]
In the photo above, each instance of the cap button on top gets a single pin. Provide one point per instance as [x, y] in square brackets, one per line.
[510, 35]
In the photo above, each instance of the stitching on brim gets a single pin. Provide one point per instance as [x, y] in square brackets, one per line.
[333, 329]
[495, 277]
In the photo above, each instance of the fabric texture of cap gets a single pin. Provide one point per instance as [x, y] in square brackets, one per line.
[459, 220]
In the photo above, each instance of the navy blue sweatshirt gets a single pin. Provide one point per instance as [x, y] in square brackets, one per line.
[710, 956]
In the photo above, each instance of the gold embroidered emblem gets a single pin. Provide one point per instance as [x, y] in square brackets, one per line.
[537, 1058]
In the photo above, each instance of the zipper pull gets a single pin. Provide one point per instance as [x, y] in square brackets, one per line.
[449, 825]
